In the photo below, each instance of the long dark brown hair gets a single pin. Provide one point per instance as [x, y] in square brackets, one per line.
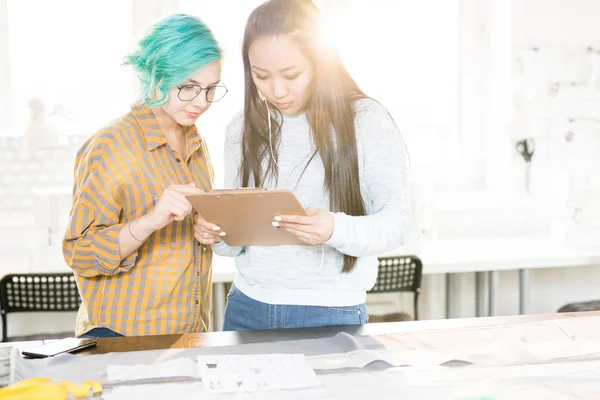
[330, 111]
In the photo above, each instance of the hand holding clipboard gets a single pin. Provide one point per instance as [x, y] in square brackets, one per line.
[246, 215]
[316, 228]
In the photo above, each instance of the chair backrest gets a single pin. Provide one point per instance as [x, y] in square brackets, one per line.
[43, 292]
[398, 274]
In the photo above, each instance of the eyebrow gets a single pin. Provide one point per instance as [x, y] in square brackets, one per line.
[194, 82]
[281, 70]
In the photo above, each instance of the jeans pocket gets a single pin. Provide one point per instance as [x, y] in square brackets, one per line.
[349, 315]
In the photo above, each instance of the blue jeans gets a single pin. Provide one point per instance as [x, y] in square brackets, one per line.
[243, 313]
[100, 333]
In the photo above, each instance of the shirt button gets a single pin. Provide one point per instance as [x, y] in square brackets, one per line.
[178, 160]
[197, 302]
[198, 273]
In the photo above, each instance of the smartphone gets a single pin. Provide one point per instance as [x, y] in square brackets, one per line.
[68, 345]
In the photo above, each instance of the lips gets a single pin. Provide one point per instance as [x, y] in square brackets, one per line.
[284, 106]
[192, 115]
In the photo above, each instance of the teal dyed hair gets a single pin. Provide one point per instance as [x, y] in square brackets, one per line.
[171, 52]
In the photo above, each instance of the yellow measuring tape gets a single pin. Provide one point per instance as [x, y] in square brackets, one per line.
[49, 389]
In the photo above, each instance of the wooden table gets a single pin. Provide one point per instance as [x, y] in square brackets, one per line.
[214, 339]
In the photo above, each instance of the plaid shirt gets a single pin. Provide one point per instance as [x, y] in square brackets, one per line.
[165, 286]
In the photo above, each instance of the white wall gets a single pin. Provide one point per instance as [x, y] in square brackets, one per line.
[567, 27]
[493, 33]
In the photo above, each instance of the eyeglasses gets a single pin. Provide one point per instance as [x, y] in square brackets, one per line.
[190, 92]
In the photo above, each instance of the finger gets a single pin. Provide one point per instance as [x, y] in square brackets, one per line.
[203, 240]
[182, 199]
[298, 227]
[296, 219]
[175, 194]
[180, 202]
[212, 240]
[179, 212]
[175, 211]
[209, 226]
[214, 235]
[200, 228]
[186, 189]
[208, 233]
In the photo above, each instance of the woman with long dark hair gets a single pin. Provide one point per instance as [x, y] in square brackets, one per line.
[308, 127]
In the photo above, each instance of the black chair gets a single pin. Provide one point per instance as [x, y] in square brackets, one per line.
[593, 305]
[31, 292]
[400, 274]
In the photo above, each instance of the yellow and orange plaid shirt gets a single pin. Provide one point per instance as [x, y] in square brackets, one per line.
[164, 287]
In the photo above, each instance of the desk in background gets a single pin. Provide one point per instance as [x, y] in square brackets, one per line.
[494, 254]
[449, 256]
[443, 256]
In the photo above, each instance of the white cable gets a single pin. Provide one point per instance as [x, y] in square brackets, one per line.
[310, 251]
[270, 134]
[271, 147]
[322, 258]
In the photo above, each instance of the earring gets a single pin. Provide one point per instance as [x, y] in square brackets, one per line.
[261, 96]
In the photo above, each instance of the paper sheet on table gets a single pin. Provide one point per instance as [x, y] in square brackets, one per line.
[430, 383]
[179, 367]
[581, 328]
[249, 373]
[558, 381]
[499, 354]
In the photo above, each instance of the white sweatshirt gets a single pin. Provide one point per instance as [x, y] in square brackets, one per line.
[311, 275]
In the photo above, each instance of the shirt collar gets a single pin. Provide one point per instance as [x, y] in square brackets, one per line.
[155, 137]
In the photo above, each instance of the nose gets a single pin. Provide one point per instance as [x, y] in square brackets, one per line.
[279, 89]
[200, 101]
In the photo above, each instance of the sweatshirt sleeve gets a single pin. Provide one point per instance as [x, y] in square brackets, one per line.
[383, 168]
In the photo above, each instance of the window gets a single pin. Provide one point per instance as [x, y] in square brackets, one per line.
[67, 54]
[401, 53]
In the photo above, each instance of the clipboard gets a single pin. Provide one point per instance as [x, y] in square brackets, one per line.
[246, 214]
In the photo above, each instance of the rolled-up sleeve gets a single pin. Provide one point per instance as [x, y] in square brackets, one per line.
[91, 245]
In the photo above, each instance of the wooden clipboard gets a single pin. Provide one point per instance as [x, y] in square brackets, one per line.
[246, 214]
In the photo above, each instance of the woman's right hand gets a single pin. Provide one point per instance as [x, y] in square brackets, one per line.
[172, 206]
[205, 232]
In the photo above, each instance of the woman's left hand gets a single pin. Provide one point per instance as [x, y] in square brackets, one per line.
[316, 228]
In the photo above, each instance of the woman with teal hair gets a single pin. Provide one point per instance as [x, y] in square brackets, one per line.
[130, 236]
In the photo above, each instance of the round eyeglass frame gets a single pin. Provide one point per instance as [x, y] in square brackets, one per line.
[200, 92]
